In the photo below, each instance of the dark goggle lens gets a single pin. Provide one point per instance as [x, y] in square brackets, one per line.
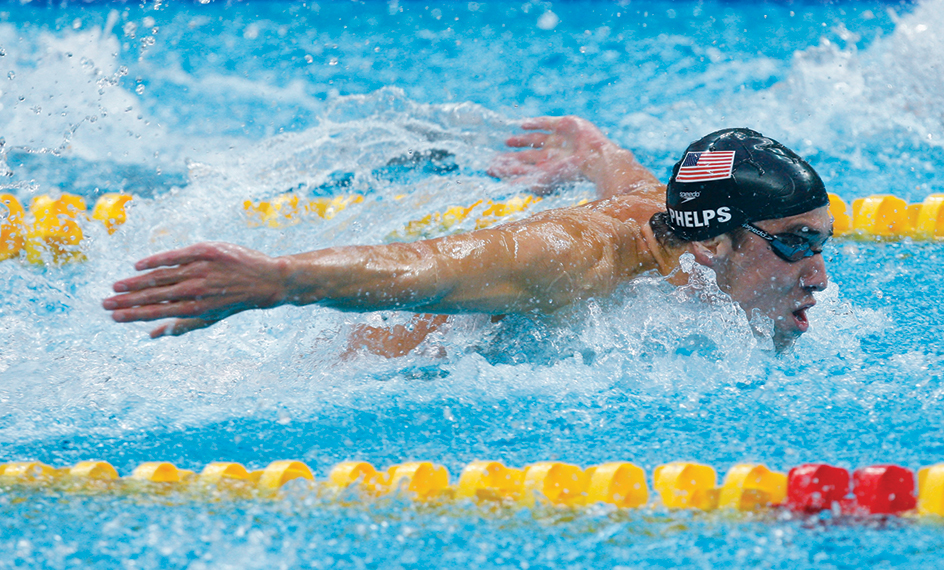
[792, 252]
[789, 247]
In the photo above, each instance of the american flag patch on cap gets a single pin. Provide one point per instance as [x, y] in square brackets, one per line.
[705, 166]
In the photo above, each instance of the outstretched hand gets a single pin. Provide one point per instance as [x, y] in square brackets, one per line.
[568, 152]
[198, 285]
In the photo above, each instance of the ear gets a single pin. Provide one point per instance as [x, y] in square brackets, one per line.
[711, 252]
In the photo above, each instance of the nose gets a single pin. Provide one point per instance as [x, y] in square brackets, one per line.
[814, 276]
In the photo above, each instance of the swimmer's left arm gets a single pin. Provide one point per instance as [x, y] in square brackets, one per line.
[542, 263]
[539, 264]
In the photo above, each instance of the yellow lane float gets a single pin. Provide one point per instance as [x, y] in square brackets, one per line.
[750, 486]
[928, 222]
[12, 226]
[931, 490]
[684, 485]
[161, 472]
[28, 472]
[889, 217]
[279, 473]
[50, 231]
[619, 483]
[556, 482]
[490, 213]
[489, 481]
[420, 480]
[287, 209]
[54, 231]
[94, 471]
[110, 210]
[221, 473]
[360, 474]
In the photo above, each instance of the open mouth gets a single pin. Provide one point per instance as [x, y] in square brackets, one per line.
[801, 319]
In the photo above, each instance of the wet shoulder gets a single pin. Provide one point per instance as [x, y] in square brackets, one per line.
[641, 250]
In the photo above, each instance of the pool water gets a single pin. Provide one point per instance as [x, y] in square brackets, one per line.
[196, 107]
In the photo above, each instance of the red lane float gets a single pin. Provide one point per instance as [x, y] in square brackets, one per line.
[883, 489]
[816, 486]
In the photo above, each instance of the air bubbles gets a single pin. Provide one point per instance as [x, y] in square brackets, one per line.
[139, 89]
[548, 21]
[284, 417]
[308, 58]
[333, 61]
[11, 76]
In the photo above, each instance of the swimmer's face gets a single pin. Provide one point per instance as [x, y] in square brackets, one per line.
[757, 279]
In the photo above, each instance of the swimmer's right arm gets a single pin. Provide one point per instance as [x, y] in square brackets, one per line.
[558, 150]
[538, 264]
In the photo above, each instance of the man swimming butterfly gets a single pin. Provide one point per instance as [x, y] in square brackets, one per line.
[742, 204]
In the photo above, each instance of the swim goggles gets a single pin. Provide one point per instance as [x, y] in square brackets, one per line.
[788, 247]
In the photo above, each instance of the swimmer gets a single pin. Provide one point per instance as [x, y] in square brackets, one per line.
[742, 204]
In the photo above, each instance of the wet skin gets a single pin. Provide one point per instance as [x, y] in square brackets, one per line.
[540, 263]
[758, 280]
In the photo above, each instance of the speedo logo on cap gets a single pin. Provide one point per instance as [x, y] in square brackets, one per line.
[699, 218]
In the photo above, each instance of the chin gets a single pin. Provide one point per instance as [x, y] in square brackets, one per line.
[784, 341]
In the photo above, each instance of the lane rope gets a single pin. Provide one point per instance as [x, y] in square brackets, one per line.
[808, 488]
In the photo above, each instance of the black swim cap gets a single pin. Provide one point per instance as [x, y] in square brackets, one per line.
[734, 176]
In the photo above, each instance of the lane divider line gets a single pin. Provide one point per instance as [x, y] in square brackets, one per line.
[808, 488]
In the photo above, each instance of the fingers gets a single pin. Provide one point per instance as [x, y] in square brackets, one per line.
[181, 256]
[176, 259]
[532, 140]
[568, 127]
[514, 164]
[178, 327]
[160, 311]
[528, 157]
[197, 285]
[158, 278]
[541, 123]
[153, 296]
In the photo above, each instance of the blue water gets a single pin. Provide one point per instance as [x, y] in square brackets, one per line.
[195, 108]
